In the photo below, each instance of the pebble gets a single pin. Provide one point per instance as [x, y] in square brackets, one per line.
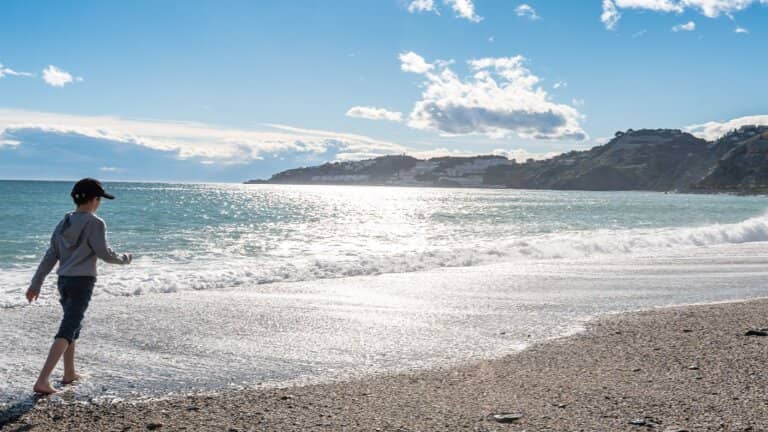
[507, 417]
[153, 426]
[642, 421]
[760, 332]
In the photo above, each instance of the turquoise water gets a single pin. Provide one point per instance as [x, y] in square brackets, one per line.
[203, 236]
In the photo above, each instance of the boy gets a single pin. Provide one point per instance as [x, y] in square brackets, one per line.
[77, 241]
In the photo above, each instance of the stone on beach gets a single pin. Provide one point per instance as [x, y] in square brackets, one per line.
[507, 417]
[759, 332]
[644, 421]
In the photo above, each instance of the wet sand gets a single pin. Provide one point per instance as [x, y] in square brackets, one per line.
[690, 368]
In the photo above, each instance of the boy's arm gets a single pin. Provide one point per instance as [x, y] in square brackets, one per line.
[97, 240]
[46, 265]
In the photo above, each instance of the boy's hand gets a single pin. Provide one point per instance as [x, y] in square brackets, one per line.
[32, 294]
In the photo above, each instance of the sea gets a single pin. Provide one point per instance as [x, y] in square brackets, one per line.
[253, 286]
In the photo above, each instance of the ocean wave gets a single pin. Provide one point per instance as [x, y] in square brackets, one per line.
[156, 275]
[608, 242]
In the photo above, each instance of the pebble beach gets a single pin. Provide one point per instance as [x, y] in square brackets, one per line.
[693, 368]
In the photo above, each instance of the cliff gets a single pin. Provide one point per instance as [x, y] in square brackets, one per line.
[744, 165]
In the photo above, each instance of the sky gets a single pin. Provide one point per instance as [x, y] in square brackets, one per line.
[229, 91]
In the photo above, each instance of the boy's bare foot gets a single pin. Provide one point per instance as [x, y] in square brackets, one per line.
[44, 388]
[70, 379]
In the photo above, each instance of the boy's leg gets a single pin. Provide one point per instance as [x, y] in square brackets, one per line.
[69, 364]
[75, 296]
[79, 303]
[57, 349]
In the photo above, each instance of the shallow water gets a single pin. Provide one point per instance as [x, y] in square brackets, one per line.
[301, 332]
[445, 277]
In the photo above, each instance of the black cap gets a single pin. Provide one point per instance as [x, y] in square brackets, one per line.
[89, 188]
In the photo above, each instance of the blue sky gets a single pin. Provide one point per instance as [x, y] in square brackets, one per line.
[225, 91]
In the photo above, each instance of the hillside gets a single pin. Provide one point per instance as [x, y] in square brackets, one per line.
[645, 159]
[744, 166]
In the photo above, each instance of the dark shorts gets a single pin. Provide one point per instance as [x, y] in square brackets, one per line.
[75, 292]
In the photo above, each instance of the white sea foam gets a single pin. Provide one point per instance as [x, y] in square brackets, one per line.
[302, 332]
[153, 274]
[606, 242]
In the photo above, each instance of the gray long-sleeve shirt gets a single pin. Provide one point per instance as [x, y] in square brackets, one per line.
[76, 243]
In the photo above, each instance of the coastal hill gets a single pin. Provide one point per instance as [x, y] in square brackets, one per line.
[645, 159]
[744, 166]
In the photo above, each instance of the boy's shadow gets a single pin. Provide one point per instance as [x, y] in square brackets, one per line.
[18, 409]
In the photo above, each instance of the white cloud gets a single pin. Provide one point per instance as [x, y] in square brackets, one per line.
[10, 72]
[641, 33]
[714, 130]
[56, 77]
[689, 26]
[610, 16]
[8, 142]
[412, 62]
[526, 10]
[714, 8]
[522, 155]
[421, 6]
[578, 102]
[708, 8]
[560, 84]
[210, 144]
[654, 5]
[462, 8]
[502, 97]
[741, 30]
[491, 39]
[372, 113]
[192, 140]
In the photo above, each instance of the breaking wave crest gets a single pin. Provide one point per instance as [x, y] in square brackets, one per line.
[156, 275]
[607, 242]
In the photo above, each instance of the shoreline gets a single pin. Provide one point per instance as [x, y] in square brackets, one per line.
[679, 368]
[732, 192]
